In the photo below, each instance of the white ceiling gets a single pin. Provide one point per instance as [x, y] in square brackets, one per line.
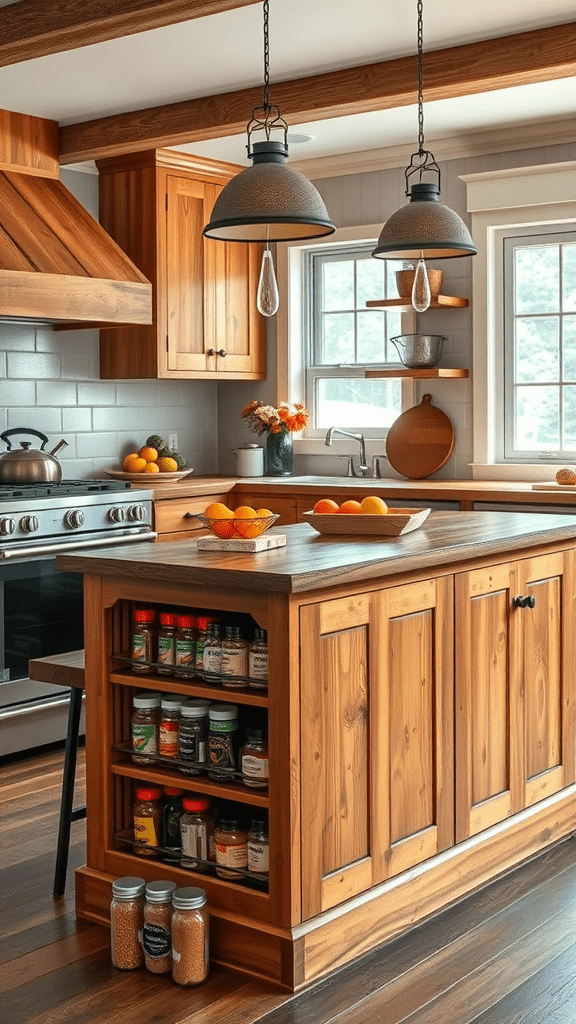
[223, 52]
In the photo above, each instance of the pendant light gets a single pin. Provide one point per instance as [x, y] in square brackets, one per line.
[424, 228]
[268, 202]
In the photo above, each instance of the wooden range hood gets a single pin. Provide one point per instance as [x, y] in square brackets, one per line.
[57, 264]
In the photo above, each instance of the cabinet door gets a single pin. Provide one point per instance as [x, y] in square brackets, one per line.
[186, 216]
[514, 688]
[376, 709]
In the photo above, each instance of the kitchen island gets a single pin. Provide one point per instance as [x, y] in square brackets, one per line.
[420, 717]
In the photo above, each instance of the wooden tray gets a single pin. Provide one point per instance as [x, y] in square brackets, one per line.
[420, 441]
[553, 485]
[394, 524]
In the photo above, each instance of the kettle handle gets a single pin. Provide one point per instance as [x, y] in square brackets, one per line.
[23, 430]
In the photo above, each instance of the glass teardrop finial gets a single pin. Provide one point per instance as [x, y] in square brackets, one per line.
[421, 287]
[267, 297]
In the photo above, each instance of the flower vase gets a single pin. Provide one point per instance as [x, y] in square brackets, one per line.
[279, 454]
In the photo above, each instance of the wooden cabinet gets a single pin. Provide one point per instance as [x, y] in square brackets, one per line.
[515, 688]
[174, 518]
[206, 325]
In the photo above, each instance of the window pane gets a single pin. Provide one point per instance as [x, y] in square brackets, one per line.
[371, 340]
[369, 281]
[569, 277]
[537, 419]
[354, 402]
[570, 419]
[338, 285]
[537, 279]
[338, 338]
[570, 348]
[537, 348]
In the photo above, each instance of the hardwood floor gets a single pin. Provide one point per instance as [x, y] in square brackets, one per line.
[506, 955]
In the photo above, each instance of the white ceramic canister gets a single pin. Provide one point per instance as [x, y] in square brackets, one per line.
[250, 460]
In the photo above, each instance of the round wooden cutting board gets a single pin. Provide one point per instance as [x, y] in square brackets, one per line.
[420, 441]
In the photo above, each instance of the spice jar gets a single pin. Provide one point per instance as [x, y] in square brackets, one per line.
[167, 643]
[171, 813]
[223, 742]
[234, 665]
[126, 919]
[190, 959]
[169, 727]
[185, 647]
[231, 847]
[193, 737]
[143, 640]
[144, 726]
[147, 821]
[258, 660]
[254, 759]
[197, 833]
[212, 657]
[157, 930]
[258, 847]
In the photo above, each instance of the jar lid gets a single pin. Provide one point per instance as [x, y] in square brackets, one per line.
[148, 794]
[185, 621]
[196, 803]
[170, 791]
[149, 699]
[223, 712]
[159, 891]
[144, 615]
[168, 619]
[254, 734]
[195, 707]
[229, 824]
[188, 898]
[172, 701]
[128, 887]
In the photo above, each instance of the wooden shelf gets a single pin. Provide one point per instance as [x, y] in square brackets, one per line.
[404, 371]
[442, 302]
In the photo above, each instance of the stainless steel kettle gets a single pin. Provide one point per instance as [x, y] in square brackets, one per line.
[26, 465]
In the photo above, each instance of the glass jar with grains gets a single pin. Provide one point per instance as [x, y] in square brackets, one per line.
[126, 920]
[157, 930]
[190, 958]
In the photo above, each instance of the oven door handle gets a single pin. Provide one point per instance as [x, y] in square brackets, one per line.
[70, 548]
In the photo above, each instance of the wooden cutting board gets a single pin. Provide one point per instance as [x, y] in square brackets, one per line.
[420, 441]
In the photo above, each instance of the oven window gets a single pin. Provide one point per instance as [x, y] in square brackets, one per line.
[43, 615]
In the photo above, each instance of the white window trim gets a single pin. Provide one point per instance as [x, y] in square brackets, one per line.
[502, 201]
[290, 325]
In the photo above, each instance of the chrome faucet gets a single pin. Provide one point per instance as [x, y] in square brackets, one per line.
[363, 467]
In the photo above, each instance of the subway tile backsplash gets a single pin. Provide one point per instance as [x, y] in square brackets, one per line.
[49, 382]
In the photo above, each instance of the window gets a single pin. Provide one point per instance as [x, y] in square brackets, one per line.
[344, 338]
[540, 345]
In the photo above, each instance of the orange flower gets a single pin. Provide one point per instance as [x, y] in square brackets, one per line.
[282, 420]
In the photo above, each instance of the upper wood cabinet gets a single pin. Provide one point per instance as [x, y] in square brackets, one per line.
[205, 322]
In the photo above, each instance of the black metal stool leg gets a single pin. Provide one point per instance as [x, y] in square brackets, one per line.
[67, 813]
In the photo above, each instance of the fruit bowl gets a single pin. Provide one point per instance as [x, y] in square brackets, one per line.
[227, 528]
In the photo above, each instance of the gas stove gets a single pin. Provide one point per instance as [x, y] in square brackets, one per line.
[44, 518]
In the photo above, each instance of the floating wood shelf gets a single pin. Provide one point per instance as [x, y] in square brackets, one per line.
[404, 371]
[442, 302]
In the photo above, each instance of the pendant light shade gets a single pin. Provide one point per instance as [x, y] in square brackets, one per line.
[268, 202]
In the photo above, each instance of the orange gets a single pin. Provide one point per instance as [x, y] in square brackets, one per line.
[373, 506]
[350, 507]
[167, 465]
[325, 505]
[264, 513]
[133, 463]
[245, 529]
[151, 467]
[148, 454]
[224, 528]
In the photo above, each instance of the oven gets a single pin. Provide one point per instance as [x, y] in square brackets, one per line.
[41, 609]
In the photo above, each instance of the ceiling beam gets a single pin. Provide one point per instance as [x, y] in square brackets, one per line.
[34, 28]
[483, 66]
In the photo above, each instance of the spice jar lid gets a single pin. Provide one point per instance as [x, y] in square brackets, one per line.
[128, 887]
[168, 619]
[185, 621]
[170, 791]
[195, 707]
[196, 803]
[188, 898]
[254, 734]
[151, 699]
[160, 891]
[172, 701]
[223, 712]
[144, 615]
[148, 794]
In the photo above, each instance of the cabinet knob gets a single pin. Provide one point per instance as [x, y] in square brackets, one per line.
[524, 601]
[222, 352]
[212, 352]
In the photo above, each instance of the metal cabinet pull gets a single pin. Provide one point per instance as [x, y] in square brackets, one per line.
[524, 601]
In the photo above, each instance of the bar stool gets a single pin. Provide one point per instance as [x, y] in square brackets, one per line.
[65, 670]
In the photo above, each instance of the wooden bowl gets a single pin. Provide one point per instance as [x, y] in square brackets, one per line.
[394, 523]
[405, 280]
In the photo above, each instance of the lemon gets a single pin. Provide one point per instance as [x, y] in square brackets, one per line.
[167, 465]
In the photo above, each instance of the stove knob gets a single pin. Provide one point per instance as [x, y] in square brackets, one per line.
[29, 524]
[75, 518]
[7, 525]
[117, 514]
[137, 512]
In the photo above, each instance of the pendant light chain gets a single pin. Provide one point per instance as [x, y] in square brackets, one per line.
[420, 6]
[266, 56]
